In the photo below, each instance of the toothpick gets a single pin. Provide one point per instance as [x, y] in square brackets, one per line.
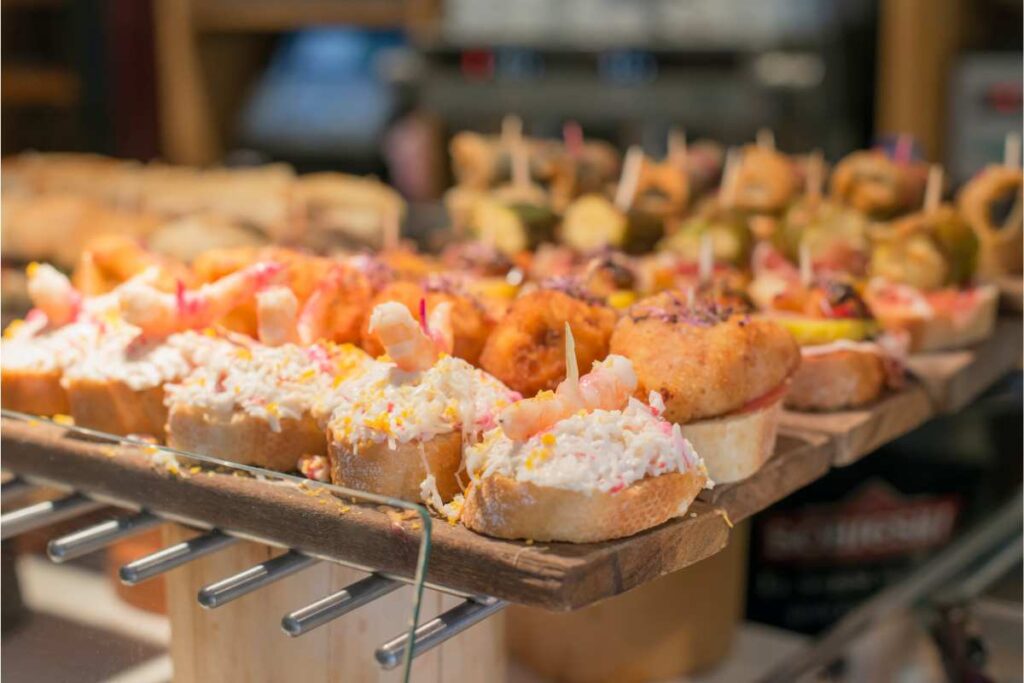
[815, 174]
[766, 139]
[392, 227]
[904, 148]
[933, 190]
[727, 188]
[520, 165]
[511, 130]
[705, 258]
[806, 268]
[630, 178]
[1011, 150]
[572, 368]
[677, 147]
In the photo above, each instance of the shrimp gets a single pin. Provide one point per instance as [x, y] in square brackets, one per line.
[607, 386]
[160, 314]
[52, 293]
[336, 307]
[276, 310]
[412, 346]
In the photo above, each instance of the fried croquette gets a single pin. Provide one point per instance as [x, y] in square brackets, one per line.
[705, 359]
[470, 323]
[526, 350]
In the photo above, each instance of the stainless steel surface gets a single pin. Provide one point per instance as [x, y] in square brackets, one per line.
[99, 536]
[14, 488]
[338, 604]
[972, 549]
[174, 556]
[42, 514]
[253, 578]
[439, 629]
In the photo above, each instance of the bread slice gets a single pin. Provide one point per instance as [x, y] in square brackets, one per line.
[844, 378]
[942, 330]
[38, 392]
[113, 407]
[398, 472]
[736, 445]
[503, 507]
[244, 438]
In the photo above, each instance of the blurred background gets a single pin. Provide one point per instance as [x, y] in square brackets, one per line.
[379, 85]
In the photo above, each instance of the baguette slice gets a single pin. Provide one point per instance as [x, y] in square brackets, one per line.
[735, 446]
[113, 407]
[38, 392]
[244, 438]
[398, 472]
[844, 378]
[503, 507]
[942, 330]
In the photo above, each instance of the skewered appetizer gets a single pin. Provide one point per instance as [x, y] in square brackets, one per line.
[845, 363]
[835, 237]
[922, 267]
[766, 181]
[585, 463]
[398, 428]
[525, 349]
[1001, 245]
[877, 186]
[721, 373]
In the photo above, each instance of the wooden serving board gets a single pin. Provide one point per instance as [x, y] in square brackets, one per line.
[1011, 292]
[559, 576]
[954, 379]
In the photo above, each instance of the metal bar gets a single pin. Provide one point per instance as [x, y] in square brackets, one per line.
[243, 583]
[994, 534]
[338, 604]
[42, 514]
[173, 556]
[99, 536]
[438, 630]
[14, 488]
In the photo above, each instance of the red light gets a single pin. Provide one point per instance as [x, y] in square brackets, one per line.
[477, 65]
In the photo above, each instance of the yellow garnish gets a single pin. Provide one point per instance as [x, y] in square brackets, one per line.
[381, 423]
[621, 299]
[337, 381]
[244, 353]
[548, 439]
[809, 331]
[195, 469]
[272, 408]
[13, 328]
[62, 419]
[31, 269]
[307, 374]
[210, 332]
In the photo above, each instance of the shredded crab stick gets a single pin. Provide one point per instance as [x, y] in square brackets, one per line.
[413, 346]
[276, 311]
[607, 386]
[53, 294]
[159, 313]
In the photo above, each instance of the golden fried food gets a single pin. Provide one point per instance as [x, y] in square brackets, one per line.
[927, 250]
[109, 260]
[1001, 241]
[766, 181]
[704, 359]
[470, 324]
[526, 350]
[872, 183]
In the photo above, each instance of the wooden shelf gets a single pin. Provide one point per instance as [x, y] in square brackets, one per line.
[273, 15]
[38, 86]
[559, 576]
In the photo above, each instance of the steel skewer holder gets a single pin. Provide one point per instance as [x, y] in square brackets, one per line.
[338, 604]
[43, 514]
[97, 537]
[252, 579]
[174, 556]
[439, 629]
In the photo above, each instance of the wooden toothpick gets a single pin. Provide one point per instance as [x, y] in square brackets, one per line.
[806, 268]
[815, 174]
[677, 147]
[933, 190]
[630, 178]
[1011, 150]
[727, 187]
[766, 138]
[705, 258]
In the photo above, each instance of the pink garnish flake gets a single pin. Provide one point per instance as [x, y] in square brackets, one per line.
[423, 317]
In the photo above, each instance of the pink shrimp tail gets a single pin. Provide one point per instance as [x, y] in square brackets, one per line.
[423, 317]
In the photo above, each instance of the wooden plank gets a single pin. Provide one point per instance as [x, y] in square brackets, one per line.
[272, 16]
[855, 433]
[799, 459]
[1011, 293]
[555, 575]
[954, 379]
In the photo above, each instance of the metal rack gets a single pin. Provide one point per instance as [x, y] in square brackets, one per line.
[390, 655]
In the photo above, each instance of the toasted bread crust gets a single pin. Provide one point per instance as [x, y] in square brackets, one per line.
[244, 438]
[116, 408]
[835, 380]
[941, 331]
[735, 446]
[398, 472]
[30, 391]
[502, 507]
